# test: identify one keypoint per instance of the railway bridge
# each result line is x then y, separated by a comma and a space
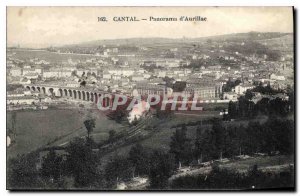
83, 94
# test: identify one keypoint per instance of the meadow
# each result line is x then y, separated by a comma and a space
37, 129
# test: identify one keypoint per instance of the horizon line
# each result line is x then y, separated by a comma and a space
111, 39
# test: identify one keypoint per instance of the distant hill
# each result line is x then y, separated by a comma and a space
237, 37
248, 36
285, 44
129, 41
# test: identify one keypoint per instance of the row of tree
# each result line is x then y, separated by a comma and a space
221, 141
216, 142
245, 108
158, 165
229, 179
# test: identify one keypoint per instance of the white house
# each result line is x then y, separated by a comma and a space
106, 75
22, 100
50, 74
277, 77
73, 84
28, 70
31, 75
16, 71
137, 78
242, 88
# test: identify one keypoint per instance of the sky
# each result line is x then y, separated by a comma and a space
37, 27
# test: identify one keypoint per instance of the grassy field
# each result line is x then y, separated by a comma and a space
57, 127
36, 129
162, 138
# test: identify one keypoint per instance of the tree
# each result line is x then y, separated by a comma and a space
180, 146
139, 157
179, 86
161, 169
89, 125
241, 138
291, 100
169, 81
232, 111
209, 145
83, 83
229, 179
118, 169
262, 106
218, 132
230, 84
52, 166
22, 172
279, 107
237, 82
200, 144
245, 107
164, 114
249, 95
280, 135
74, 73
82, 163
111, 137
119, 114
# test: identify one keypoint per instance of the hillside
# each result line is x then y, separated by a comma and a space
237, 37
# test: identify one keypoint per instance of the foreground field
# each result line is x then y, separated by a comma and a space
35, 129
162, 137
165, 129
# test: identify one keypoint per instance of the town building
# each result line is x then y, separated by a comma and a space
22, 100
150, 89
16, 71
242, 88
28, 71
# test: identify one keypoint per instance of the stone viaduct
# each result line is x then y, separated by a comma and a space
83, 94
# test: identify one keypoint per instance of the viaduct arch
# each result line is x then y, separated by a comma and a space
74, 93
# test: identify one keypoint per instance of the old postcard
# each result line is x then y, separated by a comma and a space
150, 98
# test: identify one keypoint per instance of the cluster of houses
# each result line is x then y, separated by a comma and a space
26, 99
114, 73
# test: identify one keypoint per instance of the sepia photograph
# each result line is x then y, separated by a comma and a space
150, 98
